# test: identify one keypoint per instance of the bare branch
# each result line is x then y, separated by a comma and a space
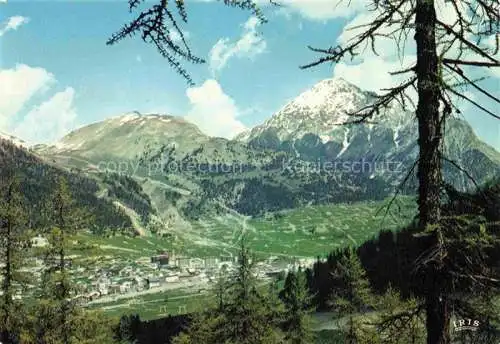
461, 169
460, 95
398, 190
157, 24
472, 83
337, 53
471, 63
404, 71
133, 4
382, 101
466, 42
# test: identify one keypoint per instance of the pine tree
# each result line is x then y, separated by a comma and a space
243, 314
220, 290
205, 327
127, 329
14, 241
207, 322
92, 327
352, 295
298, 301
249, 318
275, 303
56, 312
399, 321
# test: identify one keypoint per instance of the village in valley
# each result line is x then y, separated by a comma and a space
113, 278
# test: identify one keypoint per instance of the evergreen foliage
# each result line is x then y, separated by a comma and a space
243, 313
352, 296
298, 309
14, 242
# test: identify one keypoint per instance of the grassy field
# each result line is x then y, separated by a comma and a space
154, 306
306, 232
122, 246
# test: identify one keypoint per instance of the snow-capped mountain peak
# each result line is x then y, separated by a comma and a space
318, 110
333, 96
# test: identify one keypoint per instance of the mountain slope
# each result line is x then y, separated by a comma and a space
128, 144
310, 126
187, 174
124, 137
319, 111
13, 140
301, 156
38, 177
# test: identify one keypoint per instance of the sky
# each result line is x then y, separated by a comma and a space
57, 73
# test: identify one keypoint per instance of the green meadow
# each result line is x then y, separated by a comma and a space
307, 232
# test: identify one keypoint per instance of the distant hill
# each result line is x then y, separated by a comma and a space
167, 172
188, 174
38, 177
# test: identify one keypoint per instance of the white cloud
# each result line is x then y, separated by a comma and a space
386, 46
317, 10
13, 23
17, 87
387, 41
176, 37
50, 120
490, 43
213, 111
249, 45
34, 124
447, 11
321, 9
372, 74
371, 71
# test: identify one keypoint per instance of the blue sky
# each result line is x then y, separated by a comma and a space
56, 72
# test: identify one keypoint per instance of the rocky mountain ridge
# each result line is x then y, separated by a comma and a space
280, 164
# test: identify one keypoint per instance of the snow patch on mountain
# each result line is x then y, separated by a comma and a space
129, 118
370, 130
327, 104
345, 142
320, 97
395, 136
325, 138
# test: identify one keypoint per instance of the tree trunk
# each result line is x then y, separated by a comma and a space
7, 283
7, 272
437, 319
429, 126
429, 166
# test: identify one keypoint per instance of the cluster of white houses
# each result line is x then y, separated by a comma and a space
155, 272
166, 269
171, 260
118, 277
